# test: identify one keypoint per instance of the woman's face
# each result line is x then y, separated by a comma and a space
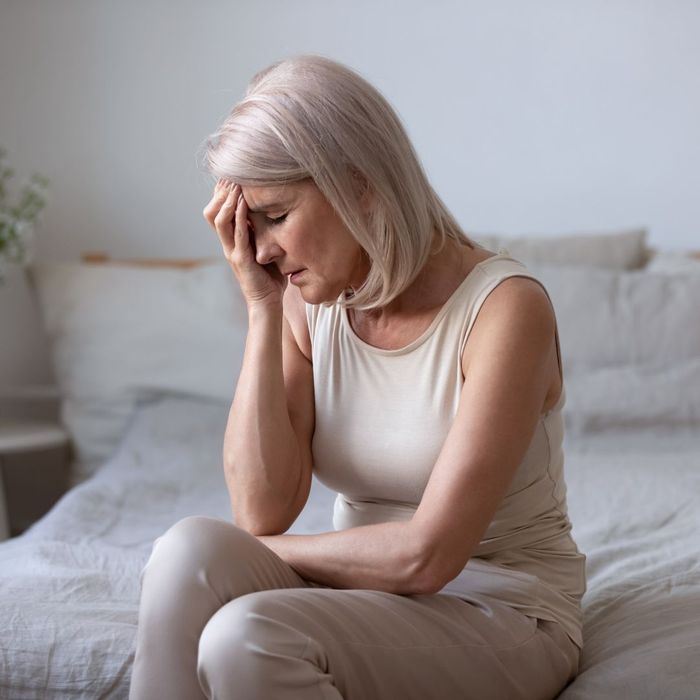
296, 228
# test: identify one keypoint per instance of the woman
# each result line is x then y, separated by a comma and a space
417, 374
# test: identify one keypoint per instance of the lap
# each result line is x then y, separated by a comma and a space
382, 645
368, 617
366, 643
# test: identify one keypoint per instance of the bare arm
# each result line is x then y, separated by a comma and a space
267, 444
383, 557
262, 459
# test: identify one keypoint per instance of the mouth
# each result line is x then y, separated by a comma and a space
295, 275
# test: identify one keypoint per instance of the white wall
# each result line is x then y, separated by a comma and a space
540, 116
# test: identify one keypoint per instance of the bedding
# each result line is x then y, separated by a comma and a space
119, 334
149, 422
614, 250
630, 343
69, 586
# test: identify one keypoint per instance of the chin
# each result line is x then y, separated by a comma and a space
310, 298
313, 295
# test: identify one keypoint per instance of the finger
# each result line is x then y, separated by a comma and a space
223, 222
242, 232
212, 209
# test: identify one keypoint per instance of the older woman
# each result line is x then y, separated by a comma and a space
415, 373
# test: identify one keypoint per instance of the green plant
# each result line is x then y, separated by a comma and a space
17, 221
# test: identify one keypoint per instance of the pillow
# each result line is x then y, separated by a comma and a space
120, 335
673, 262
630, 343
622, 250
610, 318
617, 398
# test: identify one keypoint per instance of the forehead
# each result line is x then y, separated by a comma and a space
269, 197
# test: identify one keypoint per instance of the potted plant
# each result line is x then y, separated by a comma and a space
17, 221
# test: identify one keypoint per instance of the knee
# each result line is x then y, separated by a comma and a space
224, 636
250, 637
194, 542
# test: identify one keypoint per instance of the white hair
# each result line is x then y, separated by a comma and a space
311, 117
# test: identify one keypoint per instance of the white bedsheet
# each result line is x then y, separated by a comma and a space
69, 587
636, 515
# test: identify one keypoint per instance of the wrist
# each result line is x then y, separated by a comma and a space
264, 309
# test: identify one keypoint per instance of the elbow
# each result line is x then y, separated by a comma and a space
424, 577
426, 583
433, 571
257, 526
259, 531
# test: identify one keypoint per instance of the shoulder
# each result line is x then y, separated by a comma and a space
294, 309
517, 313
517, 294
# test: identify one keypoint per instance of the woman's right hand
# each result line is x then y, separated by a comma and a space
227, 214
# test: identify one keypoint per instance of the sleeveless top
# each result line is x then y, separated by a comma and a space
382, 417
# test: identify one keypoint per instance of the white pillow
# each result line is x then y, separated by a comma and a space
672, 263
621, 250
614, 318
613, 398
630, 344
119, 335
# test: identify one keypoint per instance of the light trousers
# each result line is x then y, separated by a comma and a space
222, 616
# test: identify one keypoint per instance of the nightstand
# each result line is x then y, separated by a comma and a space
33, 471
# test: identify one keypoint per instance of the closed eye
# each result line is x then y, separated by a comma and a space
278, 220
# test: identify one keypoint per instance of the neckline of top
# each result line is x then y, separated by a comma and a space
433, 324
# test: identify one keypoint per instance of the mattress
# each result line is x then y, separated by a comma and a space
69, 586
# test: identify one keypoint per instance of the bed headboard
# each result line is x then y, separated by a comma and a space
690, 253
97, 258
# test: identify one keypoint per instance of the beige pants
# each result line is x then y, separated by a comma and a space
222, 616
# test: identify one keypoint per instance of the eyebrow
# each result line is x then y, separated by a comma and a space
267, 207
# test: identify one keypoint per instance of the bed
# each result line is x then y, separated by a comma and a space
148, 424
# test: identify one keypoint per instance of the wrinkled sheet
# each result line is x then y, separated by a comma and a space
69, 587
634, 501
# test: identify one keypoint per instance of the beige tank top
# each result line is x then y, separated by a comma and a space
382, 417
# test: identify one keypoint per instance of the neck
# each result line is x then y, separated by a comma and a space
438, 278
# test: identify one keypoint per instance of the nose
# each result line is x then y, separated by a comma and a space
266, 249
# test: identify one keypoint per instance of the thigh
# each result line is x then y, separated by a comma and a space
377, 645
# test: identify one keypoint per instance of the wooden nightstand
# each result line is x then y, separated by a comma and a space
33, 471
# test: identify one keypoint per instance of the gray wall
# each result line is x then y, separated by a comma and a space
531, 117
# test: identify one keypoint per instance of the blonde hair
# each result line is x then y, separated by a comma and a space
311, 117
